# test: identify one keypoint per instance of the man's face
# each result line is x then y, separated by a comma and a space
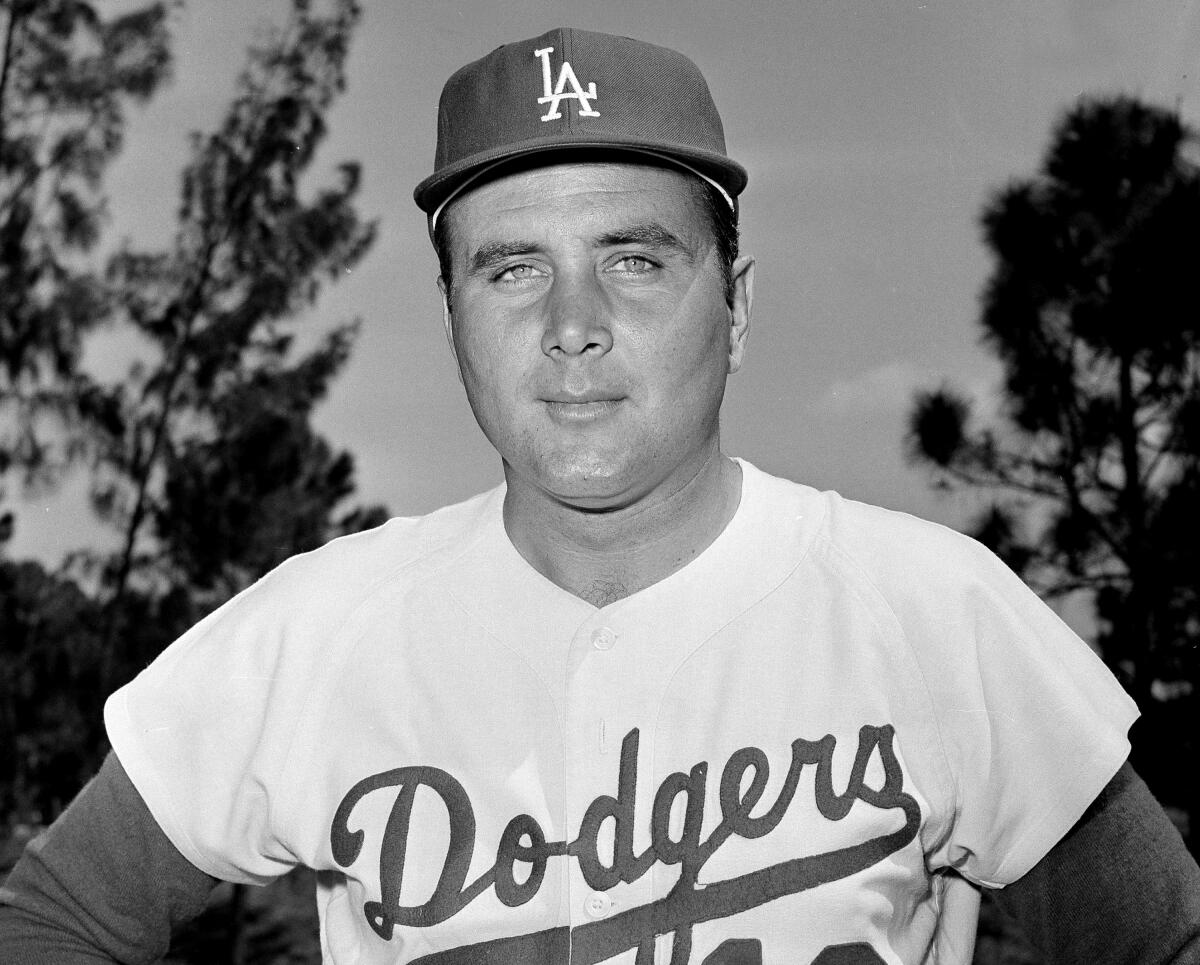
589, 320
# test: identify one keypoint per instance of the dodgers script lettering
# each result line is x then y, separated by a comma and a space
743, 782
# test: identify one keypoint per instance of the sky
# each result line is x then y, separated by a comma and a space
874, 133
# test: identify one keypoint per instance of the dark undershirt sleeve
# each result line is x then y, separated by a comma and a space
1121, 887
101, 884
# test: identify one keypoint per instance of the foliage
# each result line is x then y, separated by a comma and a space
1094, 468
262, 484
276, 923
203, 458
50, 695
47, 626
66, 77
210, 469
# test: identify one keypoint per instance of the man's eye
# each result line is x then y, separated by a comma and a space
635, 264
516, 273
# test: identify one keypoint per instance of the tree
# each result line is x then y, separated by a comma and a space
204, 458
1094, 466
209, 469
47, 625
261, 485
66, 76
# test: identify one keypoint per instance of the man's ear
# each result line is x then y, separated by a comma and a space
448, 321
740, 309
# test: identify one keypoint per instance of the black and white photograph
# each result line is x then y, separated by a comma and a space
566, 483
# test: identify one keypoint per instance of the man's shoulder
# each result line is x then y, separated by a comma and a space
344, 571
873, 533
886, 547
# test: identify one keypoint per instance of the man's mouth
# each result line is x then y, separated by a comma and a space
581, 408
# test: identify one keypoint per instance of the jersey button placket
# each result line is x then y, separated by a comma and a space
590, 704
604, 638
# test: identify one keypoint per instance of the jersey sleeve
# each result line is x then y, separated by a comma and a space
1032, 724
194, 731
205, 732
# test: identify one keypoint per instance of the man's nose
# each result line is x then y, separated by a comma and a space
577, 317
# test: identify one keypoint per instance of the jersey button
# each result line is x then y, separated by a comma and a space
597, 905
603, 639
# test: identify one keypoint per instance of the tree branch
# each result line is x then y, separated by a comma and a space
15, 15
142, 470
1002, 479
188, 308
1088, 582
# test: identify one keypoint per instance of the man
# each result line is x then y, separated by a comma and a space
643, 703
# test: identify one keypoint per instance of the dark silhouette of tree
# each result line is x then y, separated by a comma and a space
1093, 466
261, 485
66, 76
47, 629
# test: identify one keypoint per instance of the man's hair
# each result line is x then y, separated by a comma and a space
722, 222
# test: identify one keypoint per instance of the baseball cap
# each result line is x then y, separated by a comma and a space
568, 90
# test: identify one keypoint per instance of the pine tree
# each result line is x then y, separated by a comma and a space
1093, 467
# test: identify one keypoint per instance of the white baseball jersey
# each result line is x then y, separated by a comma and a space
775, 755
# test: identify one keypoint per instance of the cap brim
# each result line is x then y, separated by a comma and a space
431, 193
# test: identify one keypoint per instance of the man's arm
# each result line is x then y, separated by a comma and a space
1119, 888
102, 884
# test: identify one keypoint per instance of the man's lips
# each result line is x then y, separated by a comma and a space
583, 406
581, 398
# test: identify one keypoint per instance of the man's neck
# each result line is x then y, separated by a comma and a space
602, 557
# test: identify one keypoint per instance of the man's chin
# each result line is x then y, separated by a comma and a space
592, 495
592, 486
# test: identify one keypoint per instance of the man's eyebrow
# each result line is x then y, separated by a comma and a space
649, 233
496, 251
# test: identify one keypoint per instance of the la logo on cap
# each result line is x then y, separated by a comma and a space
553, 95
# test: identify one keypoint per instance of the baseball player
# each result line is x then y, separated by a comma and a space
643, 703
